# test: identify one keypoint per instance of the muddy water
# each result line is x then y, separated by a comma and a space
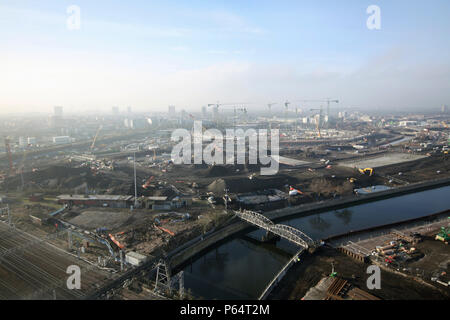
241, 267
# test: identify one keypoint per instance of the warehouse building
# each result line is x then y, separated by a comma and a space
163, 203
112, 201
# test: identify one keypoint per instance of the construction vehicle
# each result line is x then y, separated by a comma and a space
113, 239
364, 171
147, 183
443, 235
294, 192
165, 230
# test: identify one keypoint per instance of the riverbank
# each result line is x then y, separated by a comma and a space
202, 244
302, 276
409, 280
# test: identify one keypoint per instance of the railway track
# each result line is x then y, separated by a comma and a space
38, 270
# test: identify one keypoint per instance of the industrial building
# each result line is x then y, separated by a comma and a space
61, 140
112, 201
134, 258
163, 203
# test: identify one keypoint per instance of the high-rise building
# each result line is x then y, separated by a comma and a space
204, 113
58, 112
171, 110
444, 109
31, 140
61, 140
115, 110
22, 141
56, 119
216, 113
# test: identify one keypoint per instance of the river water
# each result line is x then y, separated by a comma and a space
241, 267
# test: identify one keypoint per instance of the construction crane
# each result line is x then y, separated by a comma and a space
192, 130
8, 150
328, 101
286, 108
96, 136
269, 105
215, 111
20, 168
235, 108
318, 121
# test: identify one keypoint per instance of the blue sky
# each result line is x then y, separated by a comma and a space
149, 54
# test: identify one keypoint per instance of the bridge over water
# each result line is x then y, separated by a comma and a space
287, 232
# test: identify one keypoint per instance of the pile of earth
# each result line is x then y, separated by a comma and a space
243, 185
230, 170
223, 170
60, 177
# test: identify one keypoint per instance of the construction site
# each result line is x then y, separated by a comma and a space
116, 202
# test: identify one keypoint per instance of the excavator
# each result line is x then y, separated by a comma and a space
147, 183
364, 171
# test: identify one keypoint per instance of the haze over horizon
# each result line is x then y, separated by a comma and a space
152, 54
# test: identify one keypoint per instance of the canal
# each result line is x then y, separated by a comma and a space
241, 267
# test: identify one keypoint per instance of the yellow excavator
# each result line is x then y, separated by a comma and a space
364, 171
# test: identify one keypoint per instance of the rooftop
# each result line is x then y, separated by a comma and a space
105, 197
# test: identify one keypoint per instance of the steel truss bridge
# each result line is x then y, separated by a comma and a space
287, 232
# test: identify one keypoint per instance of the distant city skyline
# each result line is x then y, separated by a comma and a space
149, 54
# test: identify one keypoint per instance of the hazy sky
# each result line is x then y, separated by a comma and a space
149, 54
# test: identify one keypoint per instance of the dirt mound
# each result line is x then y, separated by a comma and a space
62, 178
166, 192
224, 170
243, 185
219, 171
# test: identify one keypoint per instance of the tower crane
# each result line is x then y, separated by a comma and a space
235, 108
318, 122
286, 108
8, 150
269, 105
21, 166
96, 136
327, 101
